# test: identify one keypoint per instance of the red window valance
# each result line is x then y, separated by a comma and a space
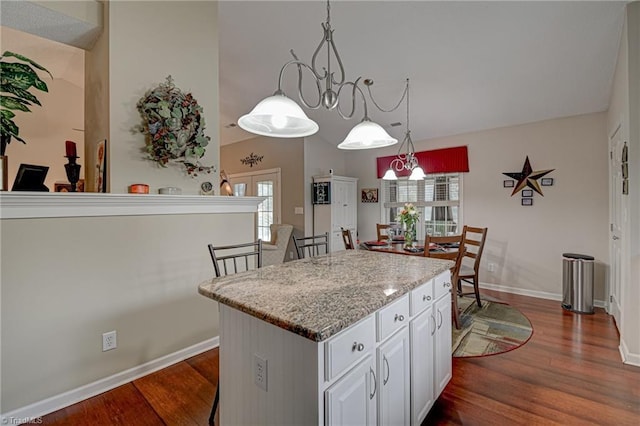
446, 160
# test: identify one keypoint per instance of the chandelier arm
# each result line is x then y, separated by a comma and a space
353, 100
300, 65
369, 83
315, 55
335, 52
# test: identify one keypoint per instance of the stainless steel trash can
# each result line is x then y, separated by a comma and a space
577, 282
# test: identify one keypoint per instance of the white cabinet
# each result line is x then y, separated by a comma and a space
443, 369
422, 333
352, 400
393, 378
341, 212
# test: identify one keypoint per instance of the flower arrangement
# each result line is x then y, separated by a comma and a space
174, 127
409, 217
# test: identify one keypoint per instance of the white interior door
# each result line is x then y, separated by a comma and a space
618, 218
264, 183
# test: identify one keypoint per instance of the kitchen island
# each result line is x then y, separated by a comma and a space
354, 337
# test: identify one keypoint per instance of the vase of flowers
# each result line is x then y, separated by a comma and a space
409, 217
174, 126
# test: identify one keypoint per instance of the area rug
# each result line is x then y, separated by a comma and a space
493, 329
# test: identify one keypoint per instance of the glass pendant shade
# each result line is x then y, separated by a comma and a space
278, 116
390, 175
365, 135
417, 174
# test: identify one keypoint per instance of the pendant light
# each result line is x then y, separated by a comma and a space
280, 116
408, 160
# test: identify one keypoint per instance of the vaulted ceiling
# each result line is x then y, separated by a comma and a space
472, 65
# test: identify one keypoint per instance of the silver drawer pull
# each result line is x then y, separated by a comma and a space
357, 347
399, 317
446, 285
425, 297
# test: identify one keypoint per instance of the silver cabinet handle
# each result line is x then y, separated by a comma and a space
446, 284
384, 358
433, 321
357, 347
615, 237
425, 297
399, 317
440, 318
375, 384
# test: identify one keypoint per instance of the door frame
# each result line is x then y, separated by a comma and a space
277, 199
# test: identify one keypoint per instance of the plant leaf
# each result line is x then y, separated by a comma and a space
25, 59
14, 103
7, 114
21, 93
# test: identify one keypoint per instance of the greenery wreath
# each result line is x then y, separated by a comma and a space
174, 128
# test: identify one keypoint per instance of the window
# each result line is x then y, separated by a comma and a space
438, 198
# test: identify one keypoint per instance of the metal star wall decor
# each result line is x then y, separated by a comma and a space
527, 178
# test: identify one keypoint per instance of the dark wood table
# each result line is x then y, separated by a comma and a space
397, 247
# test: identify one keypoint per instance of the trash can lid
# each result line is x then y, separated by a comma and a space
578, 256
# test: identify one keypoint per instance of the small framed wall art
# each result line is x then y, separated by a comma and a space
527, 193
508, 183
369, 195
527, 201
546, 181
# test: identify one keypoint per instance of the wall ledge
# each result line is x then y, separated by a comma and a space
32, 205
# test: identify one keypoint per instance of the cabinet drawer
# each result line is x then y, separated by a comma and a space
421, 297
392, 317
349, 346
442, 284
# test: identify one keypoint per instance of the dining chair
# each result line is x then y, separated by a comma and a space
311, 245
473, 239
451, 248
382, 230
227, 260
346, 239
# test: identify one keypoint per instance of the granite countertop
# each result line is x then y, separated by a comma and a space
319, 296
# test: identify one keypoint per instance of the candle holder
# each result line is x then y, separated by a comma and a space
73, 171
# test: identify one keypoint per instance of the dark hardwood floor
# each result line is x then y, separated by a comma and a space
569, 373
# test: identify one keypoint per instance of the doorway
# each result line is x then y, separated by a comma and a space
262, 183
618, 216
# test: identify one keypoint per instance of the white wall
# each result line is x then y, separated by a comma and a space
66, 281
46, 128
143, 52
526, 243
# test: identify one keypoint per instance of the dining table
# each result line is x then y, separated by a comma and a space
397, 247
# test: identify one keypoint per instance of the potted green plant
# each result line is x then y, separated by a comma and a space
16, 79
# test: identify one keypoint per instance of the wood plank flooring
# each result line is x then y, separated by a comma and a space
569, 373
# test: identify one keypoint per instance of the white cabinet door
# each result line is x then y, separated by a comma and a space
422, 334
393, 378
352, 400
442, 343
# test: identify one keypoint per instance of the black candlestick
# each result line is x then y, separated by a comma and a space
73, 172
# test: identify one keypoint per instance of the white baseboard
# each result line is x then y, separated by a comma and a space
54, 403
533, 293
627, 357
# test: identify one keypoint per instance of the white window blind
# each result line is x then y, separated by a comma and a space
437, 197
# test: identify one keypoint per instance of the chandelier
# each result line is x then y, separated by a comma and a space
280, 116
408, 160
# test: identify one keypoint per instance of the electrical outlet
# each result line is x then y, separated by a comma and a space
109, 341
260, 372
491, 267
